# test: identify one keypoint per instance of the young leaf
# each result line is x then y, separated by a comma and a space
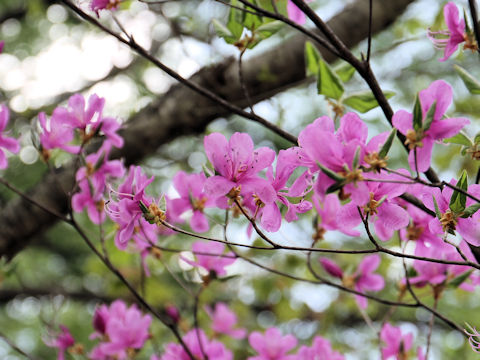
356, 157
457, 281
268, 29
235, 20
364, 101
469, 211
223, 32
388, 144
459, 139
458, 199
417, 114
328, 83
472, 84
438, 214
345, 71
331, 174
335, 187
429, 117
312, 57
476, 139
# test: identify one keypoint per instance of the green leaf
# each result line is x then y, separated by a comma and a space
331, 174
429, 117
437, 209
223, 32
457, 281
476, 139
328, 83
235, 20
268, 29
388, 144
459, 139
472, 84
417, 114
364, 101
345, 71
458, 199
469, 211
335, 187
312, 57
356, 158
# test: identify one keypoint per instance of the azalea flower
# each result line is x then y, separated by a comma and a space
62, 341
7, 143
272, 345
237, 164
295, 14
213, 350
97, 5
397, 344
455, 35
321, 349
210, 257
422, 140
224, 321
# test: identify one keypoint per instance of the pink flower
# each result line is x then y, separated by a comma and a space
364, 279
331, 267
125, 328
397, 344
62, 341
127, 210
7, 143
473, 338
56, 134
238, 165
210, 257
213, 350
224, 320
2, 44
192, 197
295, 14
320, 350
381, 208
97, 5
272, 345
455, 34
422, 140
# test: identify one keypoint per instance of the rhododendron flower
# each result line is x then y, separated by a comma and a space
125, 328
192, 197
224, 320
56, 134
2, 44
271, 218
92, 180
62, 341
328, 211
213, 350
397, 344
7, 143
331, 267
272, 345
320, 350
455, 35
97, 5
422, 140
210, 257
295, 14
380, 208
127, 210
238, 165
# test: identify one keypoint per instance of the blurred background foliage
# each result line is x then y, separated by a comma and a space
50, 54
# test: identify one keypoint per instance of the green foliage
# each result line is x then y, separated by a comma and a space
364, 101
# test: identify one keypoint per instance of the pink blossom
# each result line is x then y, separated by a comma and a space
213, 350
210, 257
92, 180
422, 140
473, 338
455, 33
2, 44
224, 321
380, 208
97, 5
125, 328
365, 280
56, 134
238, 165
320, 350
127, 210
331, 267
271, 217
328, 212
272, 345
62, 341
295, 14
7, 143
397, 344
193, 198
